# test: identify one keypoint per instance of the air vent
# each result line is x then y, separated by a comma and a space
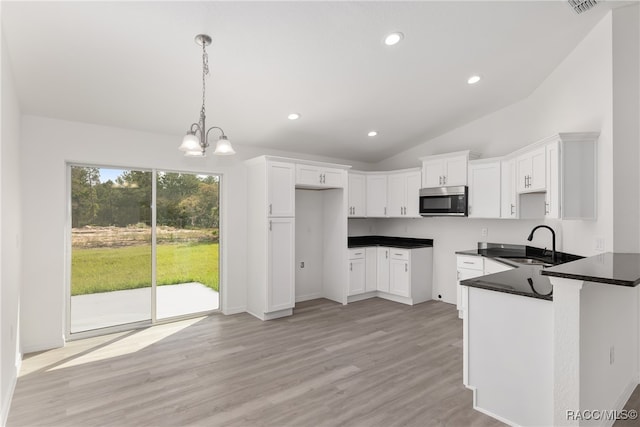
580, 6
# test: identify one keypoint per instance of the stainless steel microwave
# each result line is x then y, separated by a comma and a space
444, 201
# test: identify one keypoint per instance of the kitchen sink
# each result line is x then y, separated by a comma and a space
529, 261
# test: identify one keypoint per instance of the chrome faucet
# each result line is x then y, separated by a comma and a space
553, 239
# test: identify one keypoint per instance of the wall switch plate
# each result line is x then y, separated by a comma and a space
612, 355
600, 244
484, 232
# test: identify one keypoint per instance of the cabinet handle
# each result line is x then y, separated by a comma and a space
546, 208
270, 208
512, 209
358, 253
386, 254
324, 178
385, 210
444, 180
468, 262
398, 254
406, 267
270, 225
440, 180
350, 266
400, 210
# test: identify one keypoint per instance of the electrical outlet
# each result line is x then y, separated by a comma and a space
612, 355
600, 244
484, 232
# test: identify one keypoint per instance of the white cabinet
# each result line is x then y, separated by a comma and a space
357, 271
403, 194
281, 260
280, 189
445, 169
399, 273
371, 276
376, 195
314, 176
531, 171
509, 194
382, 280
571, 176
484, 188
357, 195
469, 267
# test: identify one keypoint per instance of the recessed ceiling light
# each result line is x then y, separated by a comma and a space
293, 116
473, 80
393, 38
372, 133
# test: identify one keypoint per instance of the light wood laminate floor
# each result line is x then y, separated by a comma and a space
371, 363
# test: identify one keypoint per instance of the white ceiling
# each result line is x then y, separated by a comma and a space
135, 65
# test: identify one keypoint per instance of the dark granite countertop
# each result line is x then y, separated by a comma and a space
524, 280
608, 268
393, 242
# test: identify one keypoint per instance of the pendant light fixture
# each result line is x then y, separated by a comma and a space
196, 141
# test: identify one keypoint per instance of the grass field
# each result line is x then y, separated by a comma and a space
110, 269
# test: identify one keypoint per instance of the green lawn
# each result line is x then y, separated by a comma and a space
111, 269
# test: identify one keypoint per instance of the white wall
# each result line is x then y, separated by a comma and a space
626, 130
48, 145
10, 232
575, 97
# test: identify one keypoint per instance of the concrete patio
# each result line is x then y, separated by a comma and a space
101, 310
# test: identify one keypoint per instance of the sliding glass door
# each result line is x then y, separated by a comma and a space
115, 236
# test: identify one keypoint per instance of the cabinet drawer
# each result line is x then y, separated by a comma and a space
357, 253
470, 262
402, 254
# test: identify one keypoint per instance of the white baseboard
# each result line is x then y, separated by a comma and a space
301, 298
6, 402
484, 411
234, 310
360, 297
622, 400
42, 346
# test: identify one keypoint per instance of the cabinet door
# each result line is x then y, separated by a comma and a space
432, 173
376, 195
538, 180
281, 259
399, 277
357, 276
552, 196
456, 171
412, 205
484, 190
396, 193
371, 258
383, 269
281, 189
523, 170
332, 178
308, 175
508, 197
491, 266
464, 274
357, 195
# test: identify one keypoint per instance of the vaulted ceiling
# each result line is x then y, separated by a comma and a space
135, 65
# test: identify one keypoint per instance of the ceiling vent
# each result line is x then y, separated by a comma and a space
580, 6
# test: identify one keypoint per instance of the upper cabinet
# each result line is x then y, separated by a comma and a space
315, 176
281, 189
508, 192
531, 171
377, 195
357, 194
484, 188
403, 194
571, 176
446, 170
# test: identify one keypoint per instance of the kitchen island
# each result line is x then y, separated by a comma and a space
542, 344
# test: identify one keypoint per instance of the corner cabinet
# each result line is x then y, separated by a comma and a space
484, 188
445, 170
271, 238
376, 195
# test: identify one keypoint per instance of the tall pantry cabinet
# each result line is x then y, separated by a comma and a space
271, 234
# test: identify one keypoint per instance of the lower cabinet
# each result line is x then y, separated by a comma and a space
468, 267
402, 275
357, 271
281, 260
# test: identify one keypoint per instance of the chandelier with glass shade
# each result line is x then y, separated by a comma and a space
196, 141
